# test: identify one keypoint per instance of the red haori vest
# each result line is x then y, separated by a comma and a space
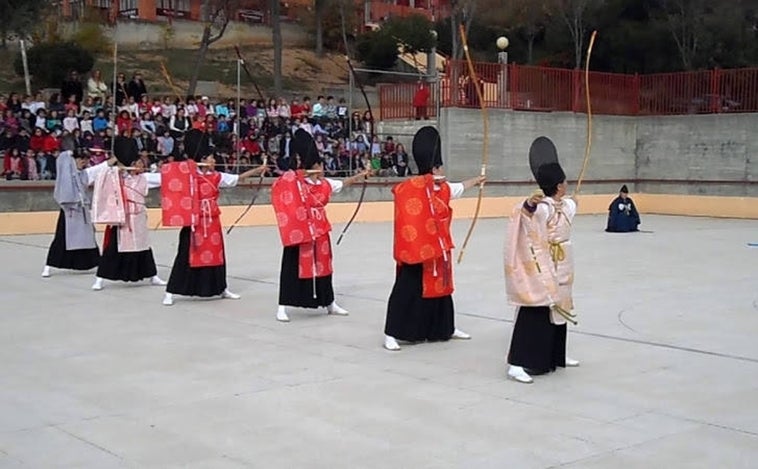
177, 193
302, 221
189, 198
207, 246
422, 232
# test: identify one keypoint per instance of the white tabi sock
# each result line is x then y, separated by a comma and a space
98, 285
229, 295
157, 281
168, 299
281, 314
390, 343
46, 271
334, 308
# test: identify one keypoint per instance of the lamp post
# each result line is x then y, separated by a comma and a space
502, 82
432, 76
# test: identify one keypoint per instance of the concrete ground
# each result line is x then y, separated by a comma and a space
667, 340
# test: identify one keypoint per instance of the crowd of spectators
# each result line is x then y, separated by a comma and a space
32, 127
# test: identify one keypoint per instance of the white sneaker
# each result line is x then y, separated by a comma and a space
459, 334
281, 315
157, 281
517, 373
571, 362
335, 309
229, 295
168, 299
46, 272
391, 344
98, 285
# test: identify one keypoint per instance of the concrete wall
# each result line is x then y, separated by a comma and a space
700, 154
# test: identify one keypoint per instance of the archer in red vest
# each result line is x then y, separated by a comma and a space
420, 307
299, 197
189, 198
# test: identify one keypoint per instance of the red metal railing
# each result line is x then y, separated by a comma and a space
396, 102
552, 89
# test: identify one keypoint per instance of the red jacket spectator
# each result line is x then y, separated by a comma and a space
51, 143
37, 142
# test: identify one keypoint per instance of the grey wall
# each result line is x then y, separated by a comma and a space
700, 154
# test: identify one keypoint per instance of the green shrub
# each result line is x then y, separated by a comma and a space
50, 64
377, 49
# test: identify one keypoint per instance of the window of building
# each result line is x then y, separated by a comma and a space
173, 8
104, 4
76, 9
127, 8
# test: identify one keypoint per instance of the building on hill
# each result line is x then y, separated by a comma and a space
251, 11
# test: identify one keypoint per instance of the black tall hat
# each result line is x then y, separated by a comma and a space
543, 161
197, 144
303, 145
624, 189
126, 150
549, 176
427, 149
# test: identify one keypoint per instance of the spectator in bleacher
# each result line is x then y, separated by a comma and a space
179, 124
14, 103
70, 122
37, 140
53, 122
165, 144
9, 121
86, 123
56, 103
30, 167
305, 108
87, 106
96, 87
37, 104
121, 93
221, 109
136, 87
100, 122
72, 86
170, 108
319, 109
146, 123
71, 105
204, 106
13, 164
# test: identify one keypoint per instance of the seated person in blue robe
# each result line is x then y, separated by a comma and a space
622, 214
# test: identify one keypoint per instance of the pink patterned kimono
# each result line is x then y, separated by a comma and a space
119, 201
539, 264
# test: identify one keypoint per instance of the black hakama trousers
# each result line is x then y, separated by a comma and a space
412, 318
194, 281
77, 259
124, 266
299, 292
537, 345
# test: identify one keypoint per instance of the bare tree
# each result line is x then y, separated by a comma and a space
461, 11
319, 9
574, 14
276, 36
686, 21
528, 16
218, 13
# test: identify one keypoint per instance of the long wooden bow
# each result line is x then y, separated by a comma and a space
259, 185
371, 142
588, 145
485, 140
